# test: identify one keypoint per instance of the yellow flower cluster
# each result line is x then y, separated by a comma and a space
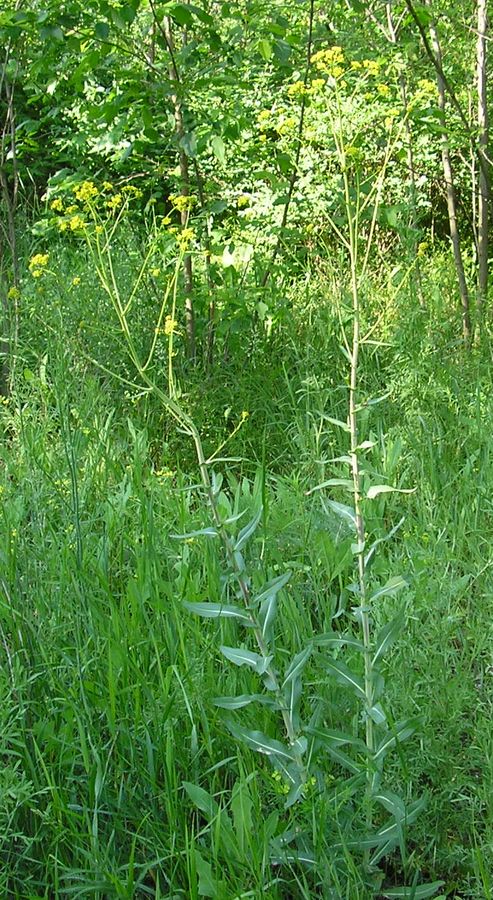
86, 191
264, 118
131, 191
114, 202
184, 238
182, 202
372, 66
57, 205
14, 293
38, 263
329, 61
427, 86
76, 223
297, 89
170, 326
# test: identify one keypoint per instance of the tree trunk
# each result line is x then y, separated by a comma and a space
451, 196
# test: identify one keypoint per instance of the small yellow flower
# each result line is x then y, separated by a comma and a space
14, 293
76, 223
317, 85
114, 202
182, 202
57, 205
170, 326
383, 90
75, 281
371, 66
132, 191
155, 273
329, 61
245, 414
99, 229
107, 186
185, 237
86, 191
71, 209
63, 225
297, 89
422, 248
39, 261
242, 201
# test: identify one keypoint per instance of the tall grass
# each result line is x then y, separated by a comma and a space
120, 777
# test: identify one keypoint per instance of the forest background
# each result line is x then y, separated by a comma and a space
245, 589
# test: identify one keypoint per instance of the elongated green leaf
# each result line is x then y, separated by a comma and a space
201, 799
241, 657
387, 489
271, 588
218, 611
297, 665
345, 676
333, 738
248, 530
338, 422
387, 635
292, 697
400, 732
267, 615
201, 532
344, 760
392, 586
243, 700
260, 742
333, 482
337, 639
419, 892
392, 803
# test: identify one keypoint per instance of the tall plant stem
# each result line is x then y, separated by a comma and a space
355, 345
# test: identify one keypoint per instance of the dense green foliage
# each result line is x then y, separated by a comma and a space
205, 208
